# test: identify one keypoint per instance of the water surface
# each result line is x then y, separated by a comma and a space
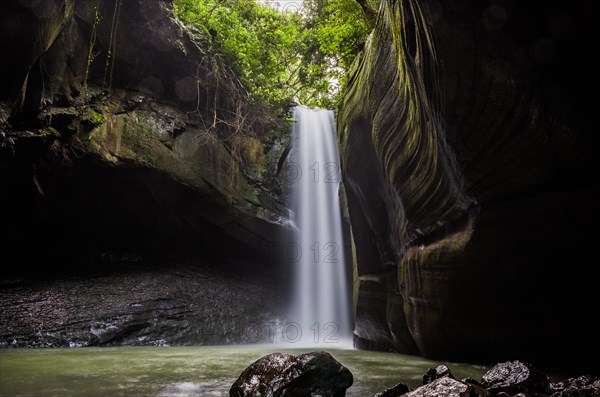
183, 371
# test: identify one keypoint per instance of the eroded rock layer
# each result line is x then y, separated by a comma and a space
468, 156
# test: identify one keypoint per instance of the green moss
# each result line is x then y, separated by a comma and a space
48, 132
97, 118
91, 118
138, 138
73, 126
393, 95
249, 194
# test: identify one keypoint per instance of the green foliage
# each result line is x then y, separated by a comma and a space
283, 57
259, 42
334, 34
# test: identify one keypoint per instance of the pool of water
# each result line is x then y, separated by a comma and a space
184, 371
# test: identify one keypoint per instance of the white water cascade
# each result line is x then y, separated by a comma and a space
320, 313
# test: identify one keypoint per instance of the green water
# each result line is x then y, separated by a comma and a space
183, 371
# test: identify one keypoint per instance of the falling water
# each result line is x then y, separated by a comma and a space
320, 312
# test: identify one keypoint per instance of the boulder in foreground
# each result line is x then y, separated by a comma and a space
286, 375
516, 376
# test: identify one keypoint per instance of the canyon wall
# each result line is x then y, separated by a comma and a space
468, 152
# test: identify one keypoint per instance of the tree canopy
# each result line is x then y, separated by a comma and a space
284, 57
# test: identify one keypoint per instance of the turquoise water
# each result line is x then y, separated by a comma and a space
183, 371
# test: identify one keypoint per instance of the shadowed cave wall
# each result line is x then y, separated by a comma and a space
132, 213
470, 166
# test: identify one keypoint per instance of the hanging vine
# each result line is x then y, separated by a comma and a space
91, 56
109, 67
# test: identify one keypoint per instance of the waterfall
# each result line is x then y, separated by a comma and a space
320, 311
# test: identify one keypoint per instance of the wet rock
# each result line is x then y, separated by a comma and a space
576, 387
448, 387
398, 390
280, 374
513, 377
153, 305
440, 371
371, 329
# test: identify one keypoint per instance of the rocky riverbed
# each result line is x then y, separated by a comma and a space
319, 374
182, 303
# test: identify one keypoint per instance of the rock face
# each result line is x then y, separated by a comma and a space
474, 199
305, 375
124, 136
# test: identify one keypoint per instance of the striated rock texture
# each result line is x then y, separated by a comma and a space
471, 178
124, 135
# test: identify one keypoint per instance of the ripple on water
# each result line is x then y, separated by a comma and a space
185, 389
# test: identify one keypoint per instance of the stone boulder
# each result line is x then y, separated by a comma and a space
515, 376
287, 375
576, 387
